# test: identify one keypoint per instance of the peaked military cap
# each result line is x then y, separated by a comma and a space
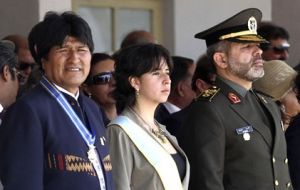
241, 27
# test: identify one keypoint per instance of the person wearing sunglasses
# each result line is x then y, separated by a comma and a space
278, 46
100, 84
8, 76
26, 61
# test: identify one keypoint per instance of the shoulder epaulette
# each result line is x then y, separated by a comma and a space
208, 94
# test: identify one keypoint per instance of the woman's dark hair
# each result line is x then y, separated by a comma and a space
54, 29
96, 58
134, 61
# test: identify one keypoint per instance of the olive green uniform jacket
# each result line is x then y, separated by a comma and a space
221, 156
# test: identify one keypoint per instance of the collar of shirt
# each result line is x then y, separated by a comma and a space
171, 107
1, 108
67, 92
239, 89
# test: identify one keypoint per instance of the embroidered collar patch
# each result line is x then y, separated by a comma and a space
233, 98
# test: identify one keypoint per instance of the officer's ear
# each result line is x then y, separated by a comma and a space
220, 59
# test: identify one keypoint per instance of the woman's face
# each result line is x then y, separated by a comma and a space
291, 104
104, 84
154, 87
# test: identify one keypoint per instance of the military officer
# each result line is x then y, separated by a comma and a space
233, 136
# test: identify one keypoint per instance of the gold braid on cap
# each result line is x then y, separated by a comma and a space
236, 34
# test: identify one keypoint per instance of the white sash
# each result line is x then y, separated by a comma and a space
157, 156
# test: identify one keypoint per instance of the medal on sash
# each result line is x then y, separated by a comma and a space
85, 134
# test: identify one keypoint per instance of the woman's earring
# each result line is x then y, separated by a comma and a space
137, 93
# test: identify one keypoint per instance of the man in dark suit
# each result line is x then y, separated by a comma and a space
232, 135
181, 94
203, 78
54, 137
8, 76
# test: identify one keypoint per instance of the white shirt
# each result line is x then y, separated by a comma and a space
67, 92
171, 107
1, 109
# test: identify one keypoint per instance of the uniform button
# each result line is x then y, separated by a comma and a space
288, 184
286, 160
274, 160
276, 182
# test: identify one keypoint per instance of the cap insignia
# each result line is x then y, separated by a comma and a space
233, 98
252, 25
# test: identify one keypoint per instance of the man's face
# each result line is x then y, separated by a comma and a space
26, 64
278, 49
245, 62
69, 65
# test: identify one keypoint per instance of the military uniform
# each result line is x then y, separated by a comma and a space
230, 146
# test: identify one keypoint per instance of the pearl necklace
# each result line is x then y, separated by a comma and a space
160, 133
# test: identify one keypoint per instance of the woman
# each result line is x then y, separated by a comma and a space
100, 84
278, 82
144, 155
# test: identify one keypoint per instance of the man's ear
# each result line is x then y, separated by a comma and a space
220, 59
5, 74
201, 85
180, 88
43, 61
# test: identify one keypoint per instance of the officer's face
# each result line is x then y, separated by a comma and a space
69, 65
244, 61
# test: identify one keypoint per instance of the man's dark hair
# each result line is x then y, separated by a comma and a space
137, 37
204, 70
54, 29
8, 56
180, 70
271, 32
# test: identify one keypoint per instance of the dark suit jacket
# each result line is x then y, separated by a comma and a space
175, 121
161, 114
221, 158
292, 135
41, 149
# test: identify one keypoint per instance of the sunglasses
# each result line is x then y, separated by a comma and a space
24, 66
101, 78
19, 76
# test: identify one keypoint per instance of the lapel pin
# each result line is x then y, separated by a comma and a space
246, 136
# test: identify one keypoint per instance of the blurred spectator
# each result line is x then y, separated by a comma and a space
278, 82
278, 48
8, 77
100, 84
181, 88
292, 135
26, 61
204, 76
137, 37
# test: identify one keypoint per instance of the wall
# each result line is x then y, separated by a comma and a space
286, 14
199, 15
15, 18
